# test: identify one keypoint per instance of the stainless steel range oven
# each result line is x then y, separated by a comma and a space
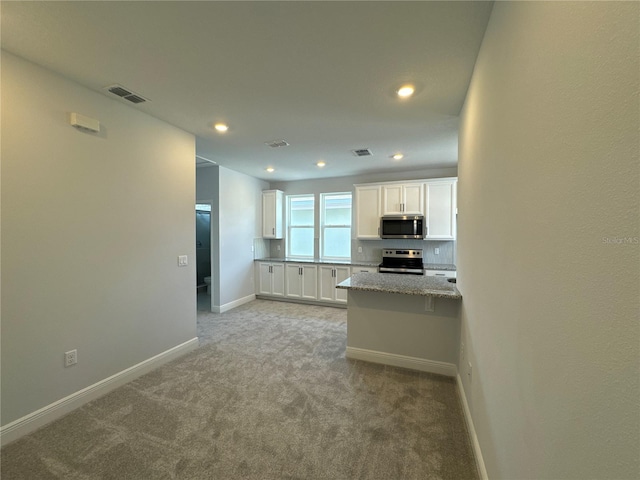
408, 261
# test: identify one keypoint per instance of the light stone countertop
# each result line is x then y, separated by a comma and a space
405, 284
319, 261
362, 263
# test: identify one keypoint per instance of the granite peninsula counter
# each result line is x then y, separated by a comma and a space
404, 284
409, 321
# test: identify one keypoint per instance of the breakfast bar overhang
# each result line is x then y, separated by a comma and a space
409, 321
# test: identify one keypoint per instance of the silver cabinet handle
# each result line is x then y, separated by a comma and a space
273, 231
299, 270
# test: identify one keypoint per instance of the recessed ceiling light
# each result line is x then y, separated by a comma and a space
221, 127
397, 156
271, 169
321, 164
406, 91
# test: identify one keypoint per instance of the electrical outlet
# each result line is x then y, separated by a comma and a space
436, 251
183, 260
470, 372
359, 249
70, 358
278, 247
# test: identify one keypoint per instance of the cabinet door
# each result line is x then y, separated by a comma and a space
327, 283
309, 280
292, 280
392, 199
277, 279
440, 210
269, 214
341, 274
272, 214
413, 198
368, 212
264, 279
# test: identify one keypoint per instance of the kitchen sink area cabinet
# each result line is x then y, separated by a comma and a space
403, 199
368, 210
329, 277
270, 279
272, 213
440, 209
301, 281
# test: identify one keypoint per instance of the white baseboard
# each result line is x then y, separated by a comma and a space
234, 304
482, 470
413, 363
27, 424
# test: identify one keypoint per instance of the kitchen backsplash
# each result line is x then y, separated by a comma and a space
371, 249
261, 247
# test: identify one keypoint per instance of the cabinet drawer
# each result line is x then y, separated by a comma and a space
440, 273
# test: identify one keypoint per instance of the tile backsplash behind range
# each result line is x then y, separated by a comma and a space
372, 249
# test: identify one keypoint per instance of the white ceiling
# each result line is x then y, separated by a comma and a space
320, 75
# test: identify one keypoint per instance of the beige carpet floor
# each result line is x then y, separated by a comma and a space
268, 395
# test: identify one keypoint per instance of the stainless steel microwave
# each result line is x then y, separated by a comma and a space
402, 226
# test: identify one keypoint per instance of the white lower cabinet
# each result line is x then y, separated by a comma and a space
330, 276
301, 281
440, 273
270, 279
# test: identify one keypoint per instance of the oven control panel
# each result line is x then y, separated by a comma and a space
402, 253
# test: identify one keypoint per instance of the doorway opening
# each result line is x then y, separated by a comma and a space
203, 255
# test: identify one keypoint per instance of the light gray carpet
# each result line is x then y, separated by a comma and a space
268, 395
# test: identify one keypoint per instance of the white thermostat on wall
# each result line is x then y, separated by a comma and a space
83, 123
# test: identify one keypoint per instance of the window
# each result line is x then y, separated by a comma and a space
335, 225
300, 225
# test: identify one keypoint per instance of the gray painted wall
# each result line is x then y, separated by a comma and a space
92, 225
240, 224
547, 193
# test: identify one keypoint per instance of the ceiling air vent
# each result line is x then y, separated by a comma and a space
125, 94
362, 152
276, 143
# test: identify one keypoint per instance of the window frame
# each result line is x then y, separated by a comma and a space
289, 226
324, 226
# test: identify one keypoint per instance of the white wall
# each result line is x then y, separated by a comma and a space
548, 171
344, 184
92, 225
240, 223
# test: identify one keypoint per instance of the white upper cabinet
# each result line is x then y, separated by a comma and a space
368, 211
440, 209
272, 213
435, 199
403, 198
